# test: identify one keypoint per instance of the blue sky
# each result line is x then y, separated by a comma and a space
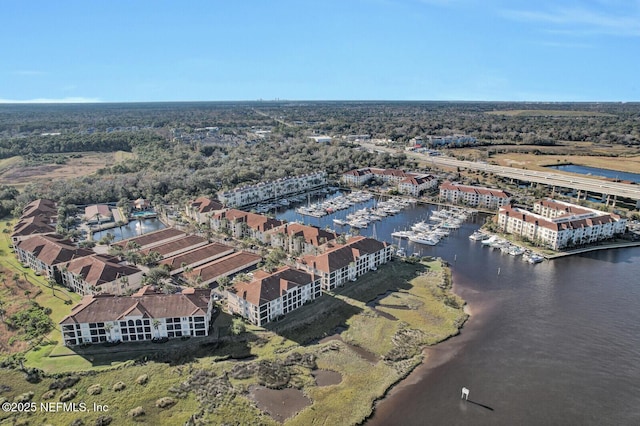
510, 50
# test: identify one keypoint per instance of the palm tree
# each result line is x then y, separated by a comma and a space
108, 326
156, 325
51, 283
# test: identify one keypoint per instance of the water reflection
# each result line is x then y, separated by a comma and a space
132, 229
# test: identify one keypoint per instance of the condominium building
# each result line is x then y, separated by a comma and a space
45, 254
243, 224
475, 196
143, 316
557, 224
345, 262
100, 273
280, 188
409, 183
302, 239
271, 295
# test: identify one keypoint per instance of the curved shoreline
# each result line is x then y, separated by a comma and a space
433, 357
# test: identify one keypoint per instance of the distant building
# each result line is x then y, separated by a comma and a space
271, 295
142, 316
409, 183
321, 139
474, 196
433, 141
557, 224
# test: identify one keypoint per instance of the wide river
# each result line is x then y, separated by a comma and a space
557, 343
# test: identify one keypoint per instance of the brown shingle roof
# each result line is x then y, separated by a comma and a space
196, 255
266, 287
153, 237
254, 221
176, 245
206, 205
52, 249
340, 256
102, 308
32, 226
226, 265
41, 207
311, 234
99, 269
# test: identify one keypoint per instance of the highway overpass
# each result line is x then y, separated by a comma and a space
582, 184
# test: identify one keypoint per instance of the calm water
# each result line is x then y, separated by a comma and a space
132, 229
556, 343
584, 170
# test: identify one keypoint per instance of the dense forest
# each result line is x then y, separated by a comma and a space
170, 169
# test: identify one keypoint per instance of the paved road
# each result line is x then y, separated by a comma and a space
592, 185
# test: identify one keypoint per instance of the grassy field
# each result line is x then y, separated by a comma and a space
13, 172
412, 307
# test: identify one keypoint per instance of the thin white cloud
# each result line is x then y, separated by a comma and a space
70, 100
28, 73
581, 21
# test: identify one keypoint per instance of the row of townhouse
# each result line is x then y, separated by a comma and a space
264, 191
268, 296
408, 183
80, 270
557, 224
39, 217
475, 196
145, 315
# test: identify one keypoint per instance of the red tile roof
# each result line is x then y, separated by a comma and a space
206, 205
342, 255
266, 287
474, 189
311, 234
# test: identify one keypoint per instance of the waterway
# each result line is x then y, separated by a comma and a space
595, 171
132, 229
555, 343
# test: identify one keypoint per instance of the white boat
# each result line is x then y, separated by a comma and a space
516, 251
535, 258
402, 234
492, 239
478, 236
424, 239
340, 222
